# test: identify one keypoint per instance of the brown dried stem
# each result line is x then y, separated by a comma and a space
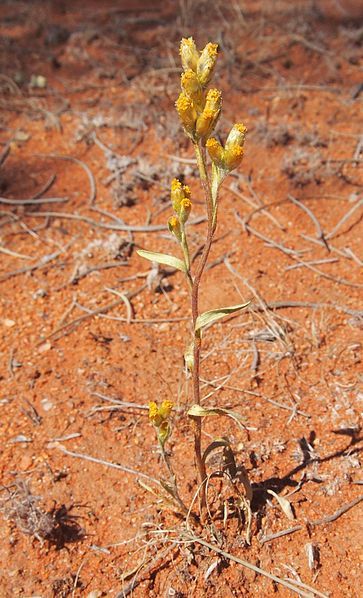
197, 421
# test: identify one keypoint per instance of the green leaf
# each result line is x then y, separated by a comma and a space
209, 317
163, 258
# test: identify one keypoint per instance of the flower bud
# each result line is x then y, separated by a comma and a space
206, 63
229, 157
187, 113
185, 209
159, 415
165, 409
192, 88
175, 228
233, 156
177, 193
154, 414
233, 151
237, 135
209, 117
216, 152
189, 54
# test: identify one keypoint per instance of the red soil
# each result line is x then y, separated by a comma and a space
111, 72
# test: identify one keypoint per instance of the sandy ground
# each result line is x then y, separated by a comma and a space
90, 141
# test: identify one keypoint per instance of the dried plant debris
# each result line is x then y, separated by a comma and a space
305, 167
272, 135
282, 134
21, 507
63, 588
313, 556
129, 176
110, 246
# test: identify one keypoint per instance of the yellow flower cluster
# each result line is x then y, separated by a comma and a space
198, 110
180, 199
159, 416
228, 157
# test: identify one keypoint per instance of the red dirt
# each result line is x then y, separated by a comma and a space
112, 72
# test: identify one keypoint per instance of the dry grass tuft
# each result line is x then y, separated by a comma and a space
24, 509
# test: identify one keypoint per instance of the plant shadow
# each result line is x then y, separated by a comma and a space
277, 484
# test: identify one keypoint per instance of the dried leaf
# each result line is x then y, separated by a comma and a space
284, 504
242, 477
217, 443
163, 258
209, 317
189, 357
199, 411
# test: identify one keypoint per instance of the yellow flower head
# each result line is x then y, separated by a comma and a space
190, 83
185, 209
189, 54
230, 156
216, 152
237, 135
173, 221
178, 193
209, 117
214, 100
186, 191
233, 156
154, 415
206, 63
165, 409
174, 227
187, 113
161, 414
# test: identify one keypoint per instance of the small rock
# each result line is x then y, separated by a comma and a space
21, 438
8, 323
44, 347
39, 293
21, 135
46, 404
38, 81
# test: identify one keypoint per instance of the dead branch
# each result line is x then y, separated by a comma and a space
287, 584
151, 228
319, 231
85, 457
92, 182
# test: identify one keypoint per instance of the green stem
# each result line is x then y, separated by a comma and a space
185, 248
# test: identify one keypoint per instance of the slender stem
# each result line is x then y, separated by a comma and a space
197, 421
185, 248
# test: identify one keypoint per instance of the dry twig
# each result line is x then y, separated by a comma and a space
287, 584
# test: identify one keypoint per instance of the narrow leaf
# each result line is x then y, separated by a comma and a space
284, 504
209, 317
163, 258
199, 411
217, 443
